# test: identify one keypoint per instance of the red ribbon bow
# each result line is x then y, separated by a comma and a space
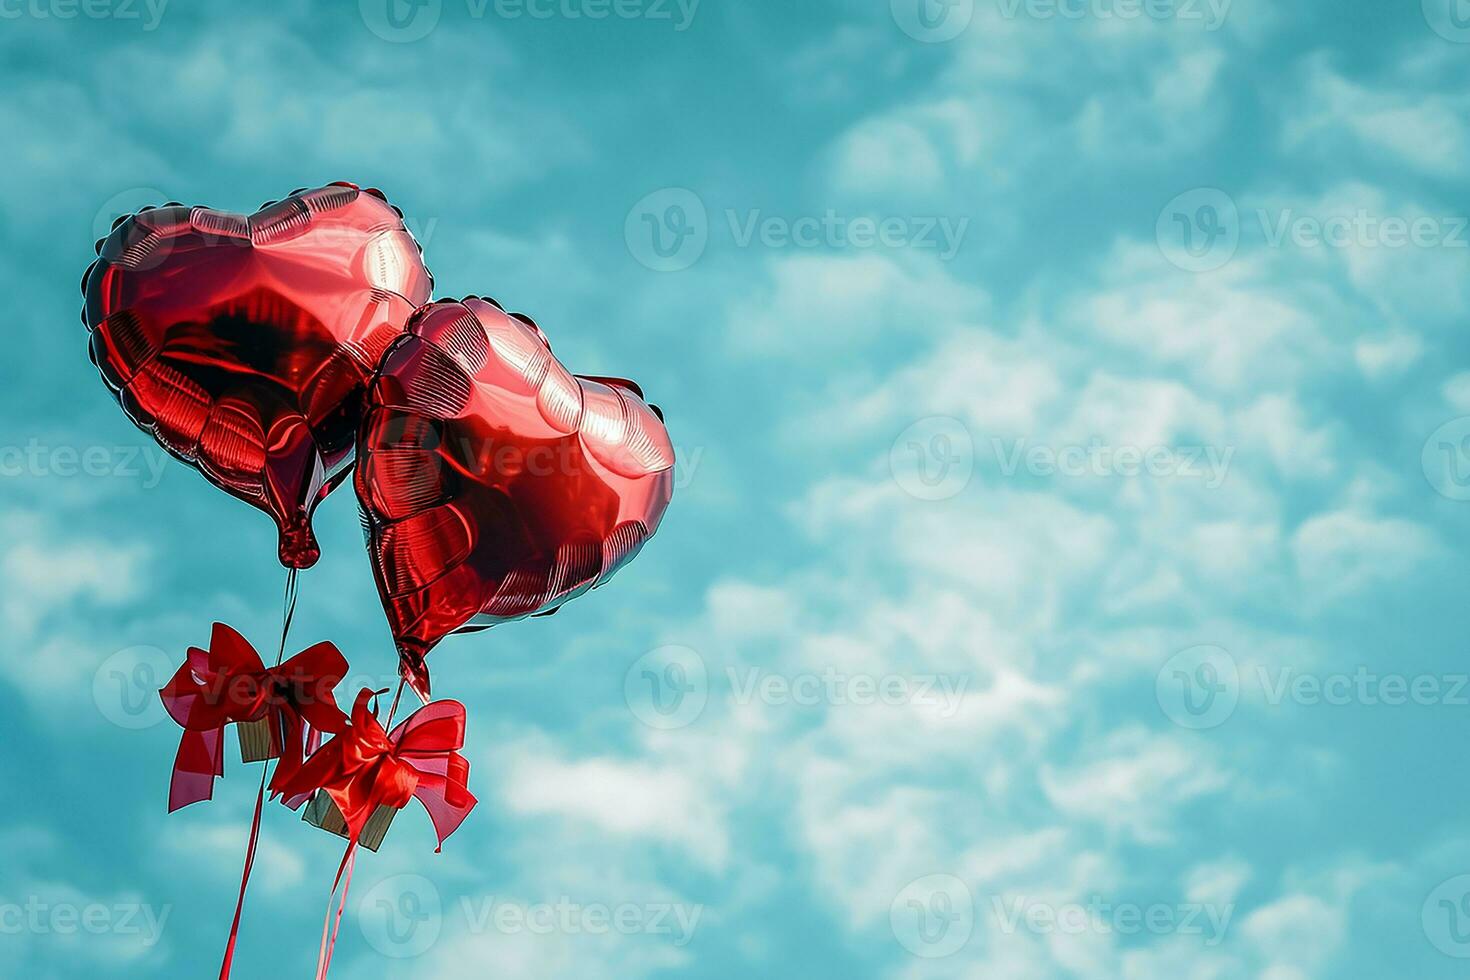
364, 767
228, 684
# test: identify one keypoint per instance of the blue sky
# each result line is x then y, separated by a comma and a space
1071, 398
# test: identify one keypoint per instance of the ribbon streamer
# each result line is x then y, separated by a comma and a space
228, 684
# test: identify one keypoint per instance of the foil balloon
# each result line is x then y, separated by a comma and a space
244, 343
493, 483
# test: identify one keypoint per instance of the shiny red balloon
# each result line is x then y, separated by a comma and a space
493, 483
244, 343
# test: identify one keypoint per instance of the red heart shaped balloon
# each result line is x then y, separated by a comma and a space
244, 344
493, 483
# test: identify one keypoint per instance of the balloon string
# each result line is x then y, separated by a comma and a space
329, 945
224, 970
288, 611
398, 694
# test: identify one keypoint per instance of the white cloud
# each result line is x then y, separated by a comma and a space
1456, 391
1343, 554
1385, 357
883, 153
1237, 328
56, 583
997, 386
1296, 935
991, 120
1399, 119
1403, 258
323, 120
217, 852
53, 918
624, 798
840, 304
834, 67
1134, 782
1217, 882
44, 575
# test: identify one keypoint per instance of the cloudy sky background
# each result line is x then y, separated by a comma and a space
1130, 460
